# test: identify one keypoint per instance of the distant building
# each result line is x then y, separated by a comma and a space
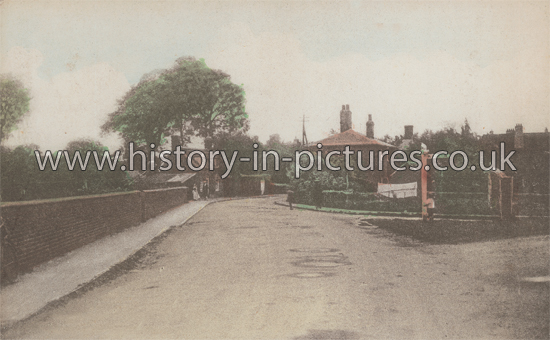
517, 139
208, 183
531, 157
348, 136
357, 141
408, 138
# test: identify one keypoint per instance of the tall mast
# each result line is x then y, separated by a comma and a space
304, 136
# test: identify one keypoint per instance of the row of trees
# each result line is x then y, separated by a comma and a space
22, 180
188, 99
20, 177
450, 140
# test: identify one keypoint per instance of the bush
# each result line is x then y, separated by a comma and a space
348, 199
462, 203
22, 180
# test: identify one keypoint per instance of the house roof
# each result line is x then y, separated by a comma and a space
159, 178
182, 178
351, 138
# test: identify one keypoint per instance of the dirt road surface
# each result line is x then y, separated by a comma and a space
250, 269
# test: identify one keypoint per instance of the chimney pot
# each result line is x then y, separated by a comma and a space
370, 128
518, 136
409, 132
345, 119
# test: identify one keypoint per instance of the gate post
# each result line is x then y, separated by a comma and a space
501, 192
506, 194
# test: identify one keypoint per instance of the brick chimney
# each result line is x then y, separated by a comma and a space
518, 136
408, 132
345, 118
370, 128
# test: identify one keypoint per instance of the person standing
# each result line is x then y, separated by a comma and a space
195, 193
430, 205
206, 191
290, 198
201, 190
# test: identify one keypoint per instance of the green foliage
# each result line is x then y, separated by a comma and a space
19, 173
284, 150
467, 203
304, 188
22, 180
92, 181
240, 142
448, 139
189, 97
14, 100
368, 201
356, 180
447, 203
349, 189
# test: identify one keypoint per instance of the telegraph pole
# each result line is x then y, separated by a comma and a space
304, 136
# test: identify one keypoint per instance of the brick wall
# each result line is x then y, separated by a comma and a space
158, 201
44, 229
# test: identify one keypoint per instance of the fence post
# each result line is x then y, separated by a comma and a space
501, 193
490, 189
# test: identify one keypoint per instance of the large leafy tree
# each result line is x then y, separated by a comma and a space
14, 104
189, 98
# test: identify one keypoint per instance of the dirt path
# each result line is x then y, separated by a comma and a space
250, 269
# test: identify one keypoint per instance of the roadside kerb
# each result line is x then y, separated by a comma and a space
63, 275
391, 214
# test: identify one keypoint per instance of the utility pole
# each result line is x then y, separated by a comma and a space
304, 137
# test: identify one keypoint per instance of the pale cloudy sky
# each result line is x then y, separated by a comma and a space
429, 64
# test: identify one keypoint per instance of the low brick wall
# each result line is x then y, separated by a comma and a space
158, 201
45, 229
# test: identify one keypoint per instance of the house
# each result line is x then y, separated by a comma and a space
208, 183
358, 142
531, 157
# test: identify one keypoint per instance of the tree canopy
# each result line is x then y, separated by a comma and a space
21, 179
189, 98
14, 104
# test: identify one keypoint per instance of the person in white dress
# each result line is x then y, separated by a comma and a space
195, 193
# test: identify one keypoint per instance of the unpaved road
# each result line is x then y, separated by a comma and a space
249, 269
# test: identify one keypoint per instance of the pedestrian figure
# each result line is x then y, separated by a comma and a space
430, 205
318, 194
201, 191
290, 198
195, 193
206, 191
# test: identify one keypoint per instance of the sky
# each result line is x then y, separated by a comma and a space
428, 64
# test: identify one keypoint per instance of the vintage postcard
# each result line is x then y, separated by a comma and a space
275, 169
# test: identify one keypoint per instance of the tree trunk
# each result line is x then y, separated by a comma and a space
182, 141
